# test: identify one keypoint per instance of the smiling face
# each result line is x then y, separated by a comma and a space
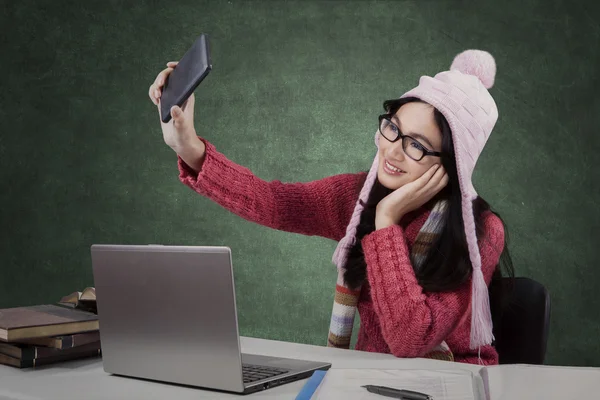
415, 119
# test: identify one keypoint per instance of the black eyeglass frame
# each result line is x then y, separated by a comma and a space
425, 151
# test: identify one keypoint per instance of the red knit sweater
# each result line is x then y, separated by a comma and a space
396, 315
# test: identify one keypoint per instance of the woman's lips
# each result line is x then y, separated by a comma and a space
391, 169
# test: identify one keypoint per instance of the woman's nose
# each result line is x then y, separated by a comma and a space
395, 151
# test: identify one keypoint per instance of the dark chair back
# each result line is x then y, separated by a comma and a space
521, 314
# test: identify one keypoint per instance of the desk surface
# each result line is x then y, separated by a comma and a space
86, 379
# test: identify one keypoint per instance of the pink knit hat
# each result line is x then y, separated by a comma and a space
461, 95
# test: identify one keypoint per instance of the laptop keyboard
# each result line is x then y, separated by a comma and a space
254, 373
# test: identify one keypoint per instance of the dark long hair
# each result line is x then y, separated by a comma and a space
447, 264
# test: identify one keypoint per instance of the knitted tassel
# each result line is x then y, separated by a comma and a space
340, 254
481, 319
481, 322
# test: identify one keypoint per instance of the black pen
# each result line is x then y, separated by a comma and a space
397, 393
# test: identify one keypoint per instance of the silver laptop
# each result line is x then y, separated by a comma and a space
168, 313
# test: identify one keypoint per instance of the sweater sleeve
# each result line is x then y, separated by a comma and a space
414, 322
317, 208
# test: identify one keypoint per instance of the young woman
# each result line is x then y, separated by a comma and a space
417, 246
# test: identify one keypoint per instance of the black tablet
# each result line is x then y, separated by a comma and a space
193, 67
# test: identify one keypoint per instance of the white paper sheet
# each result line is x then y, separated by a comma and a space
346, 384
515, 382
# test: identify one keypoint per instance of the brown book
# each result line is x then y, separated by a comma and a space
64, 342
25, 352
85, 300
64, 355
44, 320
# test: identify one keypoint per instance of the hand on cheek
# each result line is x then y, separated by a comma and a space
410, 197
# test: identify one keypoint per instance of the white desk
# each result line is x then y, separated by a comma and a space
86, 379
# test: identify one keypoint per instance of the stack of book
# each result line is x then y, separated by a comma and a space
45, 334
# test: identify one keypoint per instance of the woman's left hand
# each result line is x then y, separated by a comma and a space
409, 197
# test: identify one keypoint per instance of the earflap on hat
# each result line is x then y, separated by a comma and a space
340, 255
474, 121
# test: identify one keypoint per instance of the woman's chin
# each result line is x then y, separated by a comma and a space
391, 182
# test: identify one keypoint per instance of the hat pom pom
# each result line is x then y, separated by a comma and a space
478, 63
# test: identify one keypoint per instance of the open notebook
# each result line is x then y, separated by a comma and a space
498, 382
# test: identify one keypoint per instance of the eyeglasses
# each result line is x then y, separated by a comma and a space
411, 146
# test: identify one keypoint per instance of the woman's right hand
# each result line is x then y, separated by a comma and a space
179, 132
